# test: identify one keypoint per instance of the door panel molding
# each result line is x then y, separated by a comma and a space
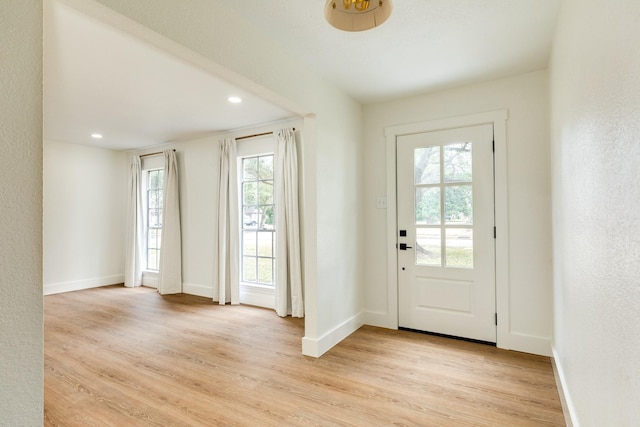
498, 119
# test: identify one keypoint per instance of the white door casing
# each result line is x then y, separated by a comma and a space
389, 317
446, 258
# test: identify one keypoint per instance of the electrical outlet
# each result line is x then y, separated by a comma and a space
381, 203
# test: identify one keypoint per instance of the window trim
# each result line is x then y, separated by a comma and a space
252, 293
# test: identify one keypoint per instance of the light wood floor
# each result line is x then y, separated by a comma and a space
130, 357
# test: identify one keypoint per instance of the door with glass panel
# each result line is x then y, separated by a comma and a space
446, 256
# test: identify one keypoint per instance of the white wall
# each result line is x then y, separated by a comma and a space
21, 345
84, 202
198, 174
595, 105
223, 42
525, 98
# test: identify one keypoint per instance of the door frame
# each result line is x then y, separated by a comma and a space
498, 119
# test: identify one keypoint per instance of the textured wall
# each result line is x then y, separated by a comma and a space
595, 99
21, 345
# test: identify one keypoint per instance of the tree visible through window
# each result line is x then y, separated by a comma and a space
258, 230
443, 178
155, 179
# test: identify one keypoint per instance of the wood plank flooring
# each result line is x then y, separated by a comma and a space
130, 357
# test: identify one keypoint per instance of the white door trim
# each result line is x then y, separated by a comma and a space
498, 119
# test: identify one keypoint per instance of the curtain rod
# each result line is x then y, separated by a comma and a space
255, 135
154, 154
238, 138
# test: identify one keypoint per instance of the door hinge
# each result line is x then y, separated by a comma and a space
496, 317
494, 232
493, 145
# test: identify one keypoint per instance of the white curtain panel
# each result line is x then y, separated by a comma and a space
170, 269
226, 288
289, 297
133, 261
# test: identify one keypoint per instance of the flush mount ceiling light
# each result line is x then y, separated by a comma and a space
234, 99
96, 136
357, 15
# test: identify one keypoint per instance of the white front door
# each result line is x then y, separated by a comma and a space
446, 256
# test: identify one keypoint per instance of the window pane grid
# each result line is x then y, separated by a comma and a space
258, 221
154, 217
444, 205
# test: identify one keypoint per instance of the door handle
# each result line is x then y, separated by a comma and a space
404, 247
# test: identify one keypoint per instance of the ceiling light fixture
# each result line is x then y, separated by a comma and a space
96, 136
357, 15
234, 99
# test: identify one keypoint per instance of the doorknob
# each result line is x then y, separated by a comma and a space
404, 247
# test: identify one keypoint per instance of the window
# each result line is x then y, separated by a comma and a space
258, 221
444, 205
155, 180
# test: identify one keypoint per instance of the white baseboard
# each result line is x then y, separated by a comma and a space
258, 296
317, 347
150, 279
77, 285
248, 294
379, 319
529, 344
567, 406
197, 290
515, 341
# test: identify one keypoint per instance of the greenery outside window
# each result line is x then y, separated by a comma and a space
258, 221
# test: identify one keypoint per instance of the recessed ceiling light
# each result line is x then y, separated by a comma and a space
96, 136
234, 99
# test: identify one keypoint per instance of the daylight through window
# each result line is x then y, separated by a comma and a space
155, 179
258, 221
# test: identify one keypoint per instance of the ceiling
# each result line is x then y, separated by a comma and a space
100, 79
424, 46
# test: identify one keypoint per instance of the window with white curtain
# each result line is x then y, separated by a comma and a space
257, 252
154, 198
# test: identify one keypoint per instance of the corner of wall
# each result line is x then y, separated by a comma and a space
316, 347
528, 344
379, 319
563, 391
